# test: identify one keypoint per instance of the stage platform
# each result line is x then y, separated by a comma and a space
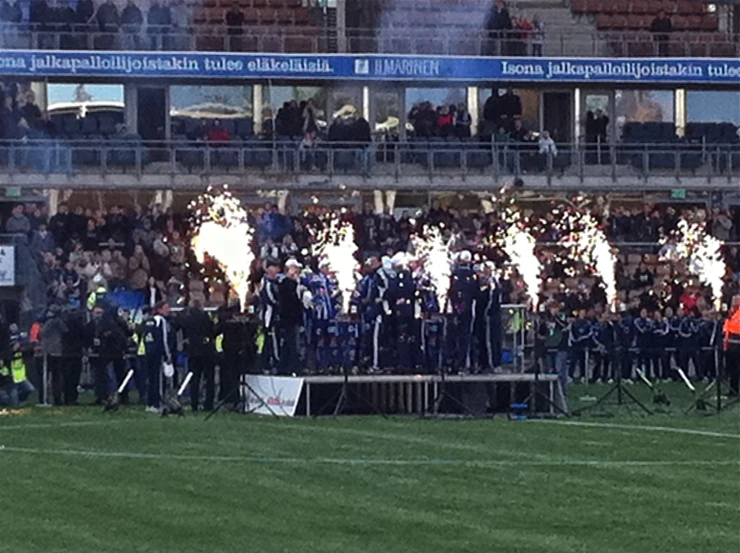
454, 394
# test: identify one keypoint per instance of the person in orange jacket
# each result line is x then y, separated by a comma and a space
732, 346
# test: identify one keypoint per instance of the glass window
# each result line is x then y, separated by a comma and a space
644, 106
194, 108
275, 97
84, 99
713, 106
387, 113
530, 105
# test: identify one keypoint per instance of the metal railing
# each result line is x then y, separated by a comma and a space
414, 158
445, 39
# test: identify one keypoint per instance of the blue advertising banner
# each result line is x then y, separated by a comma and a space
177, 65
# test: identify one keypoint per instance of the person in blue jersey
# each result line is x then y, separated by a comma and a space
710, 331
603, 341
579, 340
157, 337
463, 292
405, 314
643, 340
325, 305
366, 297
688, 340
625, 334
660, 358
270, 312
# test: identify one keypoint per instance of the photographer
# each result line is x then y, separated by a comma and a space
14, 385
197, 329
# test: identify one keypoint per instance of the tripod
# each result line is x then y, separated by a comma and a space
537, 394
700, 404
243, 400
620, 389
443, 394
344, 395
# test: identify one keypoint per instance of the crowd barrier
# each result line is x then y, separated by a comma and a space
395, 160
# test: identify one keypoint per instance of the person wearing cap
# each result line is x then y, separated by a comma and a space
270, 311
14, 384
290, 302
463, 292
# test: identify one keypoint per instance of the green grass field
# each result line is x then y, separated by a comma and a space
76, 480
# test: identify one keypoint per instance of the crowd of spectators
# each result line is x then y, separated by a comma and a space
509, 35
146, 251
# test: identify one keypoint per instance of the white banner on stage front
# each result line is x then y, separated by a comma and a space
270, 395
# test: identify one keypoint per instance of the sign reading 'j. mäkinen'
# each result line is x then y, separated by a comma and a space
23, 63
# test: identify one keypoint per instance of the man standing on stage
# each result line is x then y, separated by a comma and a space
290, 293
462, 298
325, 299
732, 346
270, 309
405, 312
368, 298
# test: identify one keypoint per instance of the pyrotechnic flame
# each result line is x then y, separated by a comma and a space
225, 235
336, 243
588, 243
437, 259
702, 254
519, 244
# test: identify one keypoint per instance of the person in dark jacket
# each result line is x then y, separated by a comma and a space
106, 340
462, 298
234, 19
603, 338
688, 341
625, 333
109, 21
72, 351
131, 22
158, 22
53, 333
661, 27
290, 293
579, 339
709, 333
270, 313
660, 358
198, 334
157, 337
643, 340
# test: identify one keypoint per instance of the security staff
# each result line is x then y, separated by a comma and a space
198, 333
463, 292
157, 336
14, 384
732, 346
270, 311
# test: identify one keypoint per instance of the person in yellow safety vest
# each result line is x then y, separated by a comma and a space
96, 296
732, 346
14, 384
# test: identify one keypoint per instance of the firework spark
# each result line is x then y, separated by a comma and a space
437, 259
588, 244
702, 253
223, 233
336, 243
519, 245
